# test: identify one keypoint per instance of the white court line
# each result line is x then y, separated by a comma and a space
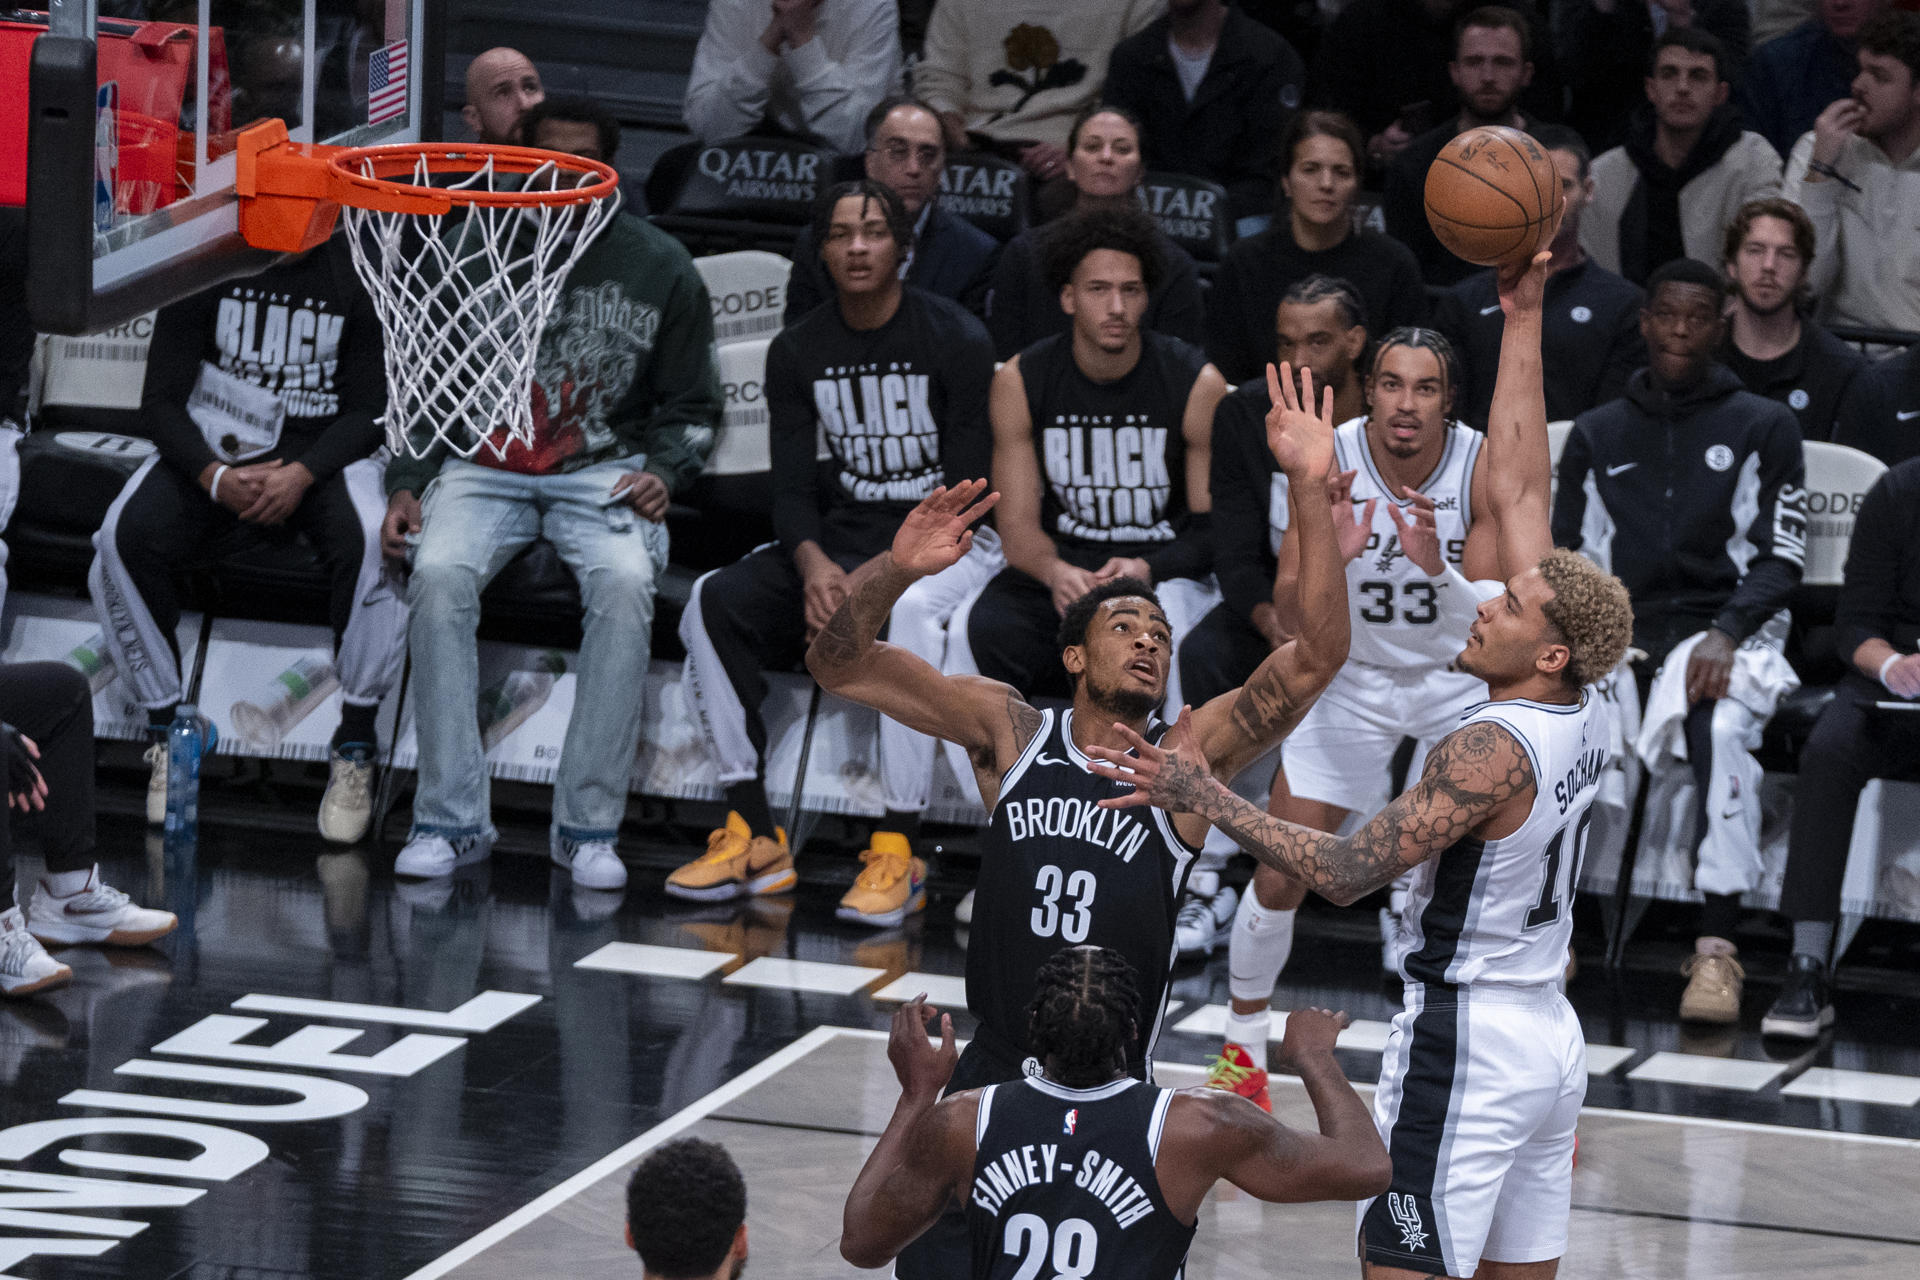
803, 975
943, 990
616, 1160
656, 962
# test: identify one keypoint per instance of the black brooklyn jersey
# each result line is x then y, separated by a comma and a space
1064, 1185
1058, 871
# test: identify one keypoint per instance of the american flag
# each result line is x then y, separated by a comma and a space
387, 83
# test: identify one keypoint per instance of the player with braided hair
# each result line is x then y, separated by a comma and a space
1082, 1164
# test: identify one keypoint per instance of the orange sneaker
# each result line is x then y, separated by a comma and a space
737, 864
892, 885
1233, 1071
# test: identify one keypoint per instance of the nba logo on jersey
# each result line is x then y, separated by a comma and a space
1072, 1119
1406, 1215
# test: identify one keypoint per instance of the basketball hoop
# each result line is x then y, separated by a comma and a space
463, 299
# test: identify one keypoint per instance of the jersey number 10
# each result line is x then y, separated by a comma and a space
1559, 876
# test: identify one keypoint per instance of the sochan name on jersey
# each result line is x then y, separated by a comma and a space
1079, 820
1099, 1177
1585, 773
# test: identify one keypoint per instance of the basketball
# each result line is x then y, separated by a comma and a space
1492, 194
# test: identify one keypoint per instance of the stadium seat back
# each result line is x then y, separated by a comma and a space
749, 292
1192, 212
1837, 482
93, 383
758, 179
987, 191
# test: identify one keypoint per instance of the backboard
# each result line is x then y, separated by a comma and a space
123, 151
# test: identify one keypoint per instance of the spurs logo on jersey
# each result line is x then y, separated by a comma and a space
1395, 604
1074, 1196
880, 430
1501, 910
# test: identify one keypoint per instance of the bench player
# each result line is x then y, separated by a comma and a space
1485, 1069
1053, 870
1123, 1167
1415, 535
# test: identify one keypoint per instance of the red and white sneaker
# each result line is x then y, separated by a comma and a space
98, 913
1233, 1072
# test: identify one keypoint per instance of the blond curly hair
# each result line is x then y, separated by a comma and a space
1591, 612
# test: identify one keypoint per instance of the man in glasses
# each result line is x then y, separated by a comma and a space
949, 255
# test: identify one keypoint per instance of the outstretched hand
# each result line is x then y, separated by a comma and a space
1351, 529
1300, 438
1418, 533
938, 532
923, 1071
1173, 776
1523, 285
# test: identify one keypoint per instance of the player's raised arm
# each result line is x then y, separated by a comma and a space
1520, 466
1473, 772
989, 719
1235, 728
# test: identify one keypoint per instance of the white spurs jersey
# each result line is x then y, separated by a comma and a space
1502, 910
1397, 618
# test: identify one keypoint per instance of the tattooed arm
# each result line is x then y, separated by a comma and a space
987, 718
1479, 779
1236, 728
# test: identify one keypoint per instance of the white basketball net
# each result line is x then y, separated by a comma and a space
464, 298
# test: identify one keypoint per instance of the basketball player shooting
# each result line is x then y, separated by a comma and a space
1486, 1070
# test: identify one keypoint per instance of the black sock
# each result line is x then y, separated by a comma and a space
749, 800
357, 725
1719, 914
906, 822
158, 722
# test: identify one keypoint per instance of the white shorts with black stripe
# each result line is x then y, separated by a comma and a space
1479, 1094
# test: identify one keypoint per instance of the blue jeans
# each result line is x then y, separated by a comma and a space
475, 519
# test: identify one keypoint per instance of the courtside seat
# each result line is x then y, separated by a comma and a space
986, 190
68, 479
746, 193
1193, 214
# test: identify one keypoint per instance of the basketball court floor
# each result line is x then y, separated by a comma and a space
327, 1074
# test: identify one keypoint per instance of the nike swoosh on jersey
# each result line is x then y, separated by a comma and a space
1622, 469
1044, 758
1907, 415
1487, 311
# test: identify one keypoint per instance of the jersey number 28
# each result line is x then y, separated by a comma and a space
1070, 919
1074, 1246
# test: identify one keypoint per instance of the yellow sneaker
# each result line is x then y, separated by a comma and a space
892, 885
737, 863
1713, 989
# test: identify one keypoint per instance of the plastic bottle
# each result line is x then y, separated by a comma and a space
285, 701
93, 660
506, 706
184, 747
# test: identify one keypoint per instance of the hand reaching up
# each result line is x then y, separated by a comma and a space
938, 532
1419, 536
1300, 438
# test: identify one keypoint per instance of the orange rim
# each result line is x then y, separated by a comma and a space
391, 186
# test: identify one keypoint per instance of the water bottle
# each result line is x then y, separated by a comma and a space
184, 747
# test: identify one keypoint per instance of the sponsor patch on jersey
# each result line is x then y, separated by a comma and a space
1798, 399
1580, 315
1071, 1119
1720, 458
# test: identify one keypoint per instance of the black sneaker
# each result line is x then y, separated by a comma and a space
1805, 1006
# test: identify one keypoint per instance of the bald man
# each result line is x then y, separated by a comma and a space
501, 84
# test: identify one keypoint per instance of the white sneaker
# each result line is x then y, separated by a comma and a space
99, 913
347, 809
25, 966
156, 758
593, 863
1206, 917
429, 856
963, 912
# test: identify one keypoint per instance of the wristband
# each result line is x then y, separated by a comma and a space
213, 490
1891, 659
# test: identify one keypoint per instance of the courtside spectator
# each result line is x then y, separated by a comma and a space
894, 381
906, 153
1704, 485
1777, 17
626, 397
1103, 173
1314, 234
264, 397
1492, 63
1857, 174
1877, 629
811, 68
1771, 346
1387, 64
1012, 76
1591, 327
1214, 91
1791, 79
1606, 46
502, 85
687, 1213
1685, 168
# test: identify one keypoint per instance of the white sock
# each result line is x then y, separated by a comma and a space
1258, 949
1249, 1031
64, 884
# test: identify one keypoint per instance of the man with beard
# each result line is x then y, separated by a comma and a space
1769, 346
1492, 65
687, 1213
1686, 167
1055, 868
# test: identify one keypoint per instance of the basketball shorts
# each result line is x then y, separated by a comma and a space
1340, 752
1480, 1090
